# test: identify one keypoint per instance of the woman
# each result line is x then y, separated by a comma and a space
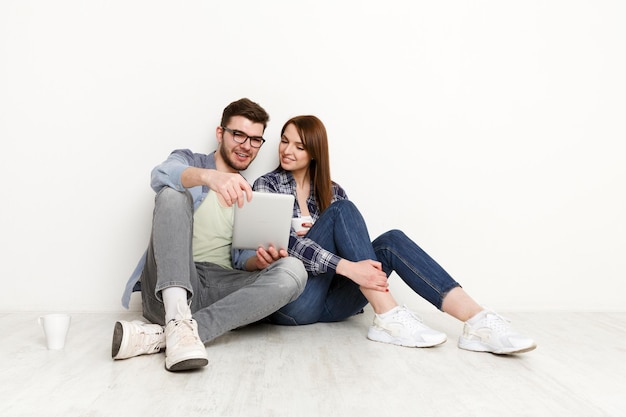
347, 270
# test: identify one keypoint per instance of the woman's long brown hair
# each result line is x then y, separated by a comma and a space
315, 140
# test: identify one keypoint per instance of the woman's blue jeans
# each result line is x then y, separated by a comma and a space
331, 297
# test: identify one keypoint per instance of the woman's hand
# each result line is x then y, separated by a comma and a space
368, 274
305, 228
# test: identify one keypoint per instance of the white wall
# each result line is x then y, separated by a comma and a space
488, 131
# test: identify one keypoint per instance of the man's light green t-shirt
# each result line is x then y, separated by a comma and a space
213, 232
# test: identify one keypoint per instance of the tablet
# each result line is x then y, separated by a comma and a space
263, 221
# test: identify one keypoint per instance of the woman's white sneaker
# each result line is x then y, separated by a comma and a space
490, 332
402, 327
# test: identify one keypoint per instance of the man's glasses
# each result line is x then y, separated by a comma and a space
240, 137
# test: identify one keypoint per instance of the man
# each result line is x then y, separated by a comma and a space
188, 283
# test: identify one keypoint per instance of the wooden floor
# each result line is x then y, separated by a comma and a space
579, 369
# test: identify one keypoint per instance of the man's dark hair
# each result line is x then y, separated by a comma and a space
248, 109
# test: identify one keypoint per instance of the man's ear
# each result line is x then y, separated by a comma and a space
219, 134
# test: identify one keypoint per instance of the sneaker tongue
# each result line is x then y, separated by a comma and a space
497, 323
409, 319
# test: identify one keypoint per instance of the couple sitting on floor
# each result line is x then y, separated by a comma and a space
196, 287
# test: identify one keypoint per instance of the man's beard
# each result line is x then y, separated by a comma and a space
229, 162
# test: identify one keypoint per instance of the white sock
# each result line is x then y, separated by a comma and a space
171, 297
476, 317
388, 313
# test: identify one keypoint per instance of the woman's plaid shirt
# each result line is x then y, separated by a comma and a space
316, 259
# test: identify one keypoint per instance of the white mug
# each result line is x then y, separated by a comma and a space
296, 223
55, 327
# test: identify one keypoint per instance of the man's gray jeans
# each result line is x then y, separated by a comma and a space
221, 299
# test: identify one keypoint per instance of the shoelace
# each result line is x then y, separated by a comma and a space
186, 335
408, 318
150, 338
496, 322
153, 342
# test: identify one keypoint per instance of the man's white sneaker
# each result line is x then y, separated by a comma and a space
402, 327
490, 332
134, 338
184, 350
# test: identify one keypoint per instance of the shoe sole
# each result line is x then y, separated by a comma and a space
187, 364
481, 347
118, 336
384, 337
